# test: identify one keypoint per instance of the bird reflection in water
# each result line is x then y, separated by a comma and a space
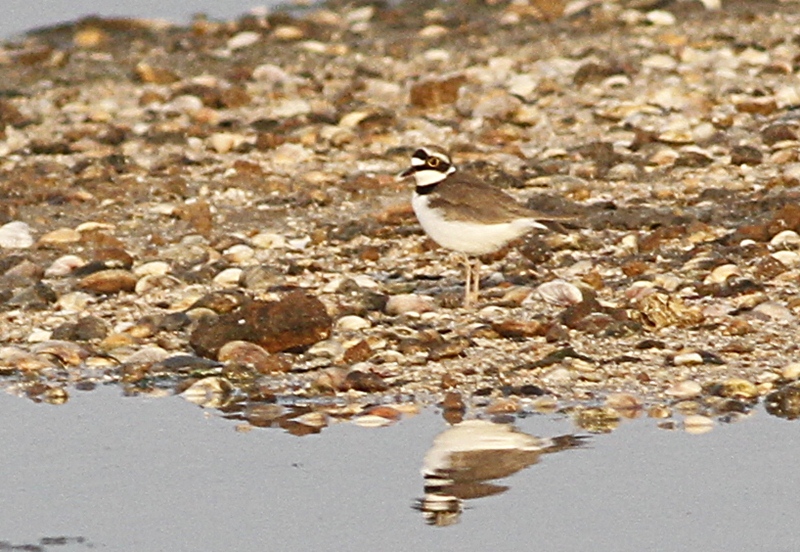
466, 458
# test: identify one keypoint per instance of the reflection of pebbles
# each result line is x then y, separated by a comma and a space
464, 458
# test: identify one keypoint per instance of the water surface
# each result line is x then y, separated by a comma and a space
139, 473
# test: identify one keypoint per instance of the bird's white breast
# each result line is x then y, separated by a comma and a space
467, 237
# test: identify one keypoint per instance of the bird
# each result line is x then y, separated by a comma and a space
465, 214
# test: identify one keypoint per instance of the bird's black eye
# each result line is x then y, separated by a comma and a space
433, 162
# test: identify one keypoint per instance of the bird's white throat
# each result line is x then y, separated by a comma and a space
429, 177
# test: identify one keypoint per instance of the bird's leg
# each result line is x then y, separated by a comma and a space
476, 278
468, 283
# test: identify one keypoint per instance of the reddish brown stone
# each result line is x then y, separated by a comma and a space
359, 352
297, 320
108, 281
514, 329
433, 93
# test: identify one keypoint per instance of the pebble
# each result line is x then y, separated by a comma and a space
223, 142
687, 359
772, 310
75, 301
59, 237
560, 293
721, 274
785, 239
789, 259
409, 302
152, 268
295, 320
63, 266
250, 354
229, 277
243, 40
108, 281
15, 235
239, 254
352, 323
791, 371
683, 390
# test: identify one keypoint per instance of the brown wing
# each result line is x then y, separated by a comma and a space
462, 197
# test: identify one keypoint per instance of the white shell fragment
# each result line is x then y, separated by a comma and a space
560, 293
15, 235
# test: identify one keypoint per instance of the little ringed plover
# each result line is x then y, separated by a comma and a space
465, 214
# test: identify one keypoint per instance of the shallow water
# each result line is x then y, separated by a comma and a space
134, 473
23, 15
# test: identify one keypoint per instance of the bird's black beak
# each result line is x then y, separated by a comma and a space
408, 172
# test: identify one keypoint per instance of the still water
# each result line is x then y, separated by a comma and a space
19, 16
106, 472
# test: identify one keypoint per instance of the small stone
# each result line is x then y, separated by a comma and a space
516, 329
75, 301
449, 348
791, 371
436, 92
60, 237
721, 274
153, 268
687, 359
243, 40
352, 323
108, 282
147, 73
409, 302
229, 277
368, 382
772, 310
789, 259
63, 266
288, 33
239, 254
15, 235
685, 389
746, 155
223, 142
660, 18
560, 293
85, 329
785, 239
66, 351
360, 352
255, 356
736, 388
503, 406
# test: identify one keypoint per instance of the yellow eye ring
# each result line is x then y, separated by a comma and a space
433, 162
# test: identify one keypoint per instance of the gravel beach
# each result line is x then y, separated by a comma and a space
213, 210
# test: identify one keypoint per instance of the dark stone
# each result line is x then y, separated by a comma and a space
37, 296
294, 322
785, 402
221, 302
174, 321
449, 348
85, 329
746, 155
779, 132
368, 382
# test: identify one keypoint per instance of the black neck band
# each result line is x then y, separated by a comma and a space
425, 190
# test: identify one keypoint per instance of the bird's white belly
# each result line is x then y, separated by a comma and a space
467, 237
